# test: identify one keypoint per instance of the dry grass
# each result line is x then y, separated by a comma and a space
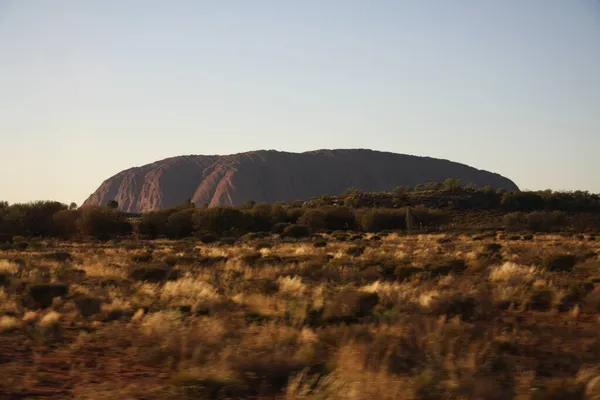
286, 320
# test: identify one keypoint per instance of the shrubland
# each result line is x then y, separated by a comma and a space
302, 301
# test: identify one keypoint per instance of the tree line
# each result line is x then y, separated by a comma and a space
542, 211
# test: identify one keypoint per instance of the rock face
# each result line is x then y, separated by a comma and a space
269, 176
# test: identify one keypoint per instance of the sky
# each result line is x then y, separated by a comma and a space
89, 88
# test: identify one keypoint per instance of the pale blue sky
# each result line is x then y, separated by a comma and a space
89, 88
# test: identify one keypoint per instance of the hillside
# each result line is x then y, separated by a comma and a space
269, 176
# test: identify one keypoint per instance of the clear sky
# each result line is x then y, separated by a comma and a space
89, 88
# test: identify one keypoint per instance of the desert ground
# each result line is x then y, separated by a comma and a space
332, 316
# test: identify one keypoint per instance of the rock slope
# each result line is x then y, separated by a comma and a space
269, 176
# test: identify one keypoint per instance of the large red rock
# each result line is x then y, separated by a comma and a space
269, 176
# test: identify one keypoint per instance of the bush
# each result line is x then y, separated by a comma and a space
262, 218
355, 251
350, 305
516, 221
88, 306
292, 215
540, 300
339, 218
404, 272
154, 274
279, 227
296, 231
154, 224
376, 220
314, 219
320, 243
43, 294
445, 266
179, 224
426, 217
560, 262
102, 223
522, 201
222, 220
65, 223
207, 238
540, 221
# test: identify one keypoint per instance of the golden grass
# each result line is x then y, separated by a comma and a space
306, 328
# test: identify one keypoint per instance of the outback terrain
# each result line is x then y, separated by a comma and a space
344, 316
431, 292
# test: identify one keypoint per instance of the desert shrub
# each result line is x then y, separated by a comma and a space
296, 231
405, 272
59, 256
179, 224
401, 190
591, 302
210, 261
207, 238
154, 224
540, 299
339, 218
43, 294
141, 257
292, 215
349, 305
541, 221
560, 262
102, 223
23, 245
314, 219
320, 243
30, 219
445, 266
228, 241
279, 227
88, 306
154, 273
454, 304
493, 248
221, 220
355, 250
574, 295
516, 221
262, 218
251, 258
376, 220
427, 217
522, 201
65, 223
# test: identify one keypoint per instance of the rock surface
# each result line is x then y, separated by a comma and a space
269, 176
